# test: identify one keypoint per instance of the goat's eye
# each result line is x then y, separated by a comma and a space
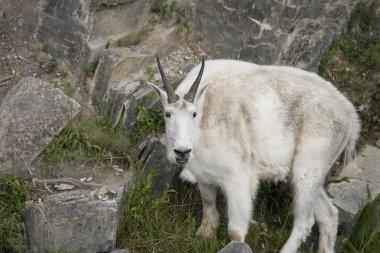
194, 114
167, 114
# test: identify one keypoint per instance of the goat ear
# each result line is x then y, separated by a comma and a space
160, 93
200, 92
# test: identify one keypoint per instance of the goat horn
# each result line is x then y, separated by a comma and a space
172, 97
193, 90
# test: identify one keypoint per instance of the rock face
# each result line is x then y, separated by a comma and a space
117, 84
292, 32
79, 28
81, 220
32, 113
154, 159
361, 182
236, 247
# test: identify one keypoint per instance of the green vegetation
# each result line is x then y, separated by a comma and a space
12, 202
161, 224
353, 65
68, 89
88, 138
150, 71
362, 17
150, 121
54, 62
87, 70
168, 223
164, 9
365, 235
131, 39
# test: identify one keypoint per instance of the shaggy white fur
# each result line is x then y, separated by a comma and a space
251, 122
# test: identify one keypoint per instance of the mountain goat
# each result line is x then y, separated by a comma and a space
239, 122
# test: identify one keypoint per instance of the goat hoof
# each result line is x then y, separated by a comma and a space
205, 231
235, 235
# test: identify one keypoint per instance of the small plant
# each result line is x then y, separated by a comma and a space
68, 89
149, 120
164, 9
88, 138
362, 17
12, 203
87, 70
365, 234
53, 66
71, 144
54, 62
150, 71
130, 40
142, 80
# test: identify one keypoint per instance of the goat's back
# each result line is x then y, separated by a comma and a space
268, 108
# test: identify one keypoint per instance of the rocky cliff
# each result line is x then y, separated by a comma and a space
123, 37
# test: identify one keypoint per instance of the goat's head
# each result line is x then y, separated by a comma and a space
180, 117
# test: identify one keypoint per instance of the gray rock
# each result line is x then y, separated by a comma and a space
236, 247
365, 231
154, 159
361, 184
270, 32
21, 22
32, 114
378, 144
349, 196
83, 220
72, 27
116, 87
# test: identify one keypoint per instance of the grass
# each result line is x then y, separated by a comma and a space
69, 89
12, 202
53, 66
131, 39
87, 70
90, 139
150, 121
353, 65
168, 223
164, 9
161, 223
365, 234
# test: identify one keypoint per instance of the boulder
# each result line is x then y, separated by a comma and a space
236, 247
79, 29
295, 33
32, 114
118, 82
78, 220
153, 157
365, 232
360, 184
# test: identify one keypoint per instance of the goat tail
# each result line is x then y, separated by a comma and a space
350, 150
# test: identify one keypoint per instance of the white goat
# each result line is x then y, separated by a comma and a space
243, 123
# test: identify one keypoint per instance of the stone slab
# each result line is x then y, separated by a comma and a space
366, 167
31, 115
236, 247
361, 184
80, 220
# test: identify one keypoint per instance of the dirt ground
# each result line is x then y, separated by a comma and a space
20, 52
